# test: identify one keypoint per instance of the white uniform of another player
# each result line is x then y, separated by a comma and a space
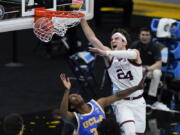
124, 74
130, 113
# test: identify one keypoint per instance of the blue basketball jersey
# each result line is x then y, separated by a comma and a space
87, 123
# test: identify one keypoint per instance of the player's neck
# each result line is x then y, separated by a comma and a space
85, 108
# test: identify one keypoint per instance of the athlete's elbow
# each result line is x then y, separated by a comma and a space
133, 55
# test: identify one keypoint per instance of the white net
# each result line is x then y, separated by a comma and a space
56, 22
61, 25
44, 29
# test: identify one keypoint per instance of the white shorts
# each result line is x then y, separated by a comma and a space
131, 111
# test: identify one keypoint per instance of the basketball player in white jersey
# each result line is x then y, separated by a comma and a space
125, 71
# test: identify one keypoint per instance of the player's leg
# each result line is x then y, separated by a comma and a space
139, 112
156, 76
125, 118
128, 128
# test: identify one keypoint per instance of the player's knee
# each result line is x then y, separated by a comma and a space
128, 128
129, 133
157, 73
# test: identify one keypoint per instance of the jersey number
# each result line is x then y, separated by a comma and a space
122, 75
94, 131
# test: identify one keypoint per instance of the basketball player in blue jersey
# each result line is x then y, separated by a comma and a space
125, 71
88, 115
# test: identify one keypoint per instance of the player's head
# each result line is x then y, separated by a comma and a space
119, 39
75, 101
108, 126
145, 35
13, 124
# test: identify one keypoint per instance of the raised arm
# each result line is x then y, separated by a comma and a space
122, 94
132, 54
90, 35
64, 103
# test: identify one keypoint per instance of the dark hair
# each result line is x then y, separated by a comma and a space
108, 126
12, 124
125, 33
144, 29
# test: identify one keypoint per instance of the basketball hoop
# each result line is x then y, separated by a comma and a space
47, 23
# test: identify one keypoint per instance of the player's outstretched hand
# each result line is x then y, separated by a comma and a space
141, 83
66, 81
97, 51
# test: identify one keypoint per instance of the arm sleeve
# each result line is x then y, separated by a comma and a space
129, 54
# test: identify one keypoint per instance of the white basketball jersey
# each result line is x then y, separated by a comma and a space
125, 74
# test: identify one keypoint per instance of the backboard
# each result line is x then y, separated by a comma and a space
19, 14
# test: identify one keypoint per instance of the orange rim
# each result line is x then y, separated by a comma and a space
42, 12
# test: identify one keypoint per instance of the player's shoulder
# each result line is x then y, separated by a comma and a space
92, 101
